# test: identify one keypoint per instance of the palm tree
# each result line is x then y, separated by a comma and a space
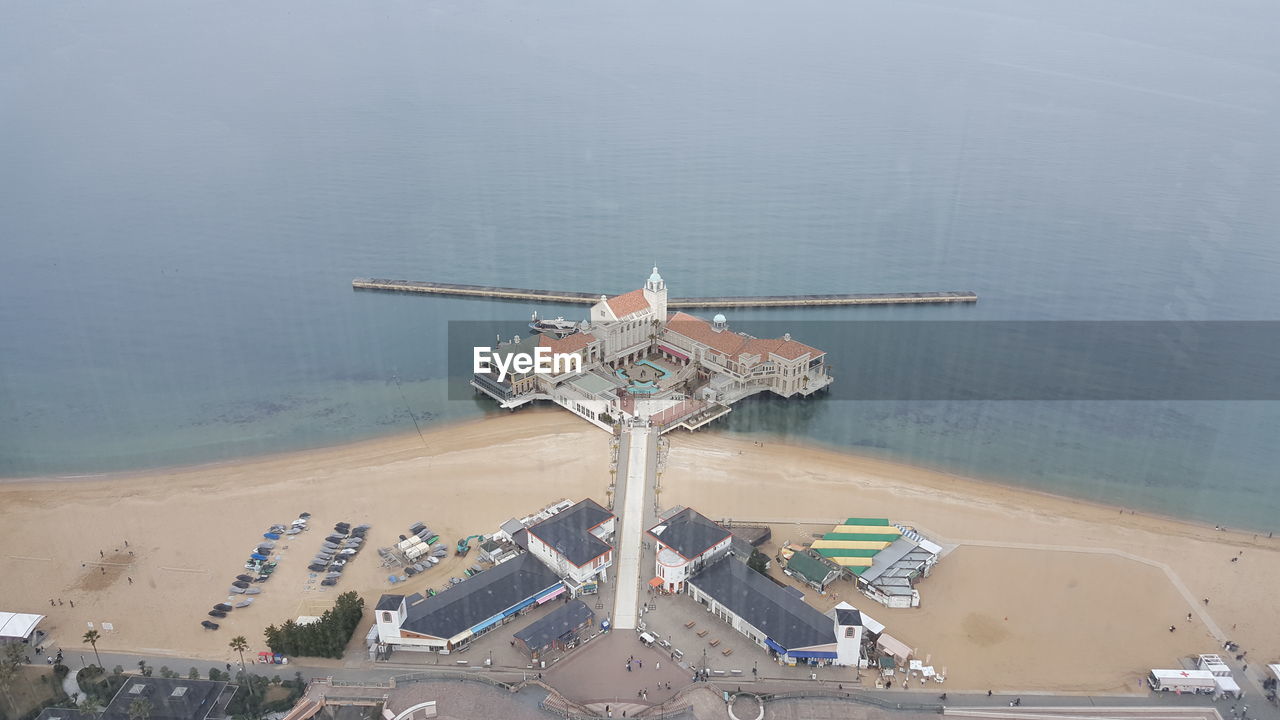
92, 638
140, 709
239, 644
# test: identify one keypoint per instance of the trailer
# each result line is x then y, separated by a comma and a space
1183, 681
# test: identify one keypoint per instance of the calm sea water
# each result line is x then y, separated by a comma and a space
186, 192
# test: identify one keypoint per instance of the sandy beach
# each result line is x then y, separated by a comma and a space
1042, 592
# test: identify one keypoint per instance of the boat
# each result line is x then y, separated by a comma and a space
558, 327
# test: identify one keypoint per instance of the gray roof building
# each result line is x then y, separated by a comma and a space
490, 594
569, 532
894, 569
689, 533
555, 625
787, 620
65, 714
172, 699
848, 617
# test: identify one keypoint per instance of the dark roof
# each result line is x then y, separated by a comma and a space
689, 533
560, 621
171, 699
810, 568
389, 602
848, 617
569, 532
786, 619
480, 597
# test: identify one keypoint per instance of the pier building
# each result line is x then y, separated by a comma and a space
641, 362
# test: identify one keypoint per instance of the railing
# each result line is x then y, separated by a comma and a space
852, 696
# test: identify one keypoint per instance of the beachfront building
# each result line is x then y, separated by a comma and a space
775, 617
562, 629
812, 570
20, 628
575, 544
885, 560
641, 362
170, 699
684, 543
450, 620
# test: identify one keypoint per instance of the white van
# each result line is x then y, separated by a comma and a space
1196, 681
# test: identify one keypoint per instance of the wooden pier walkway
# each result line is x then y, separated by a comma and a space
507, 293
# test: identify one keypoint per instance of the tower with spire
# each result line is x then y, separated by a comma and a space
655, 291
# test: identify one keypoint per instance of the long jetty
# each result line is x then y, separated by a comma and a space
581, 298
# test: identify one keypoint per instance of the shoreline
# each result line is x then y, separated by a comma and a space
406, 440
1021, 561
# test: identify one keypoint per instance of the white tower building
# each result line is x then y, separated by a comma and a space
655, 291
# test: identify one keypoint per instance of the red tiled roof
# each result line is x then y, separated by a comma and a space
700, 330
572, 343
632, 302
734, 345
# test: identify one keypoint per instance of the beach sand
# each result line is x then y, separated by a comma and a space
997, 612
1044, 592
190, 530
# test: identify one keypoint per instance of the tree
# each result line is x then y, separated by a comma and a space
326, 638
92, 638
140, 709
240, 644
10, 665
758, 562
193, 674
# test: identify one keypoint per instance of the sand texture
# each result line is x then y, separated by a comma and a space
1036, 592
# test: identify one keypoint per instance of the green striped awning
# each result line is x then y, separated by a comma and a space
855, 536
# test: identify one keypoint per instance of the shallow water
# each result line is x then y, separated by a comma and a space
187, 192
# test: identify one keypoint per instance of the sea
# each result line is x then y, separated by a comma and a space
188, 189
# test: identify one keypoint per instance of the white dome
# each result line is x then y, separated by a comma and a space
655, 277
719, 319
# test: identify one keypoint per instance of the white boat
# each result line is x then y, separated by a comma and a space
558, 327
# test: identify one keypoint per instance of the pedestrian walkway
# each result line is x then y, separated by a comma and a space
71, 685
639, 444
